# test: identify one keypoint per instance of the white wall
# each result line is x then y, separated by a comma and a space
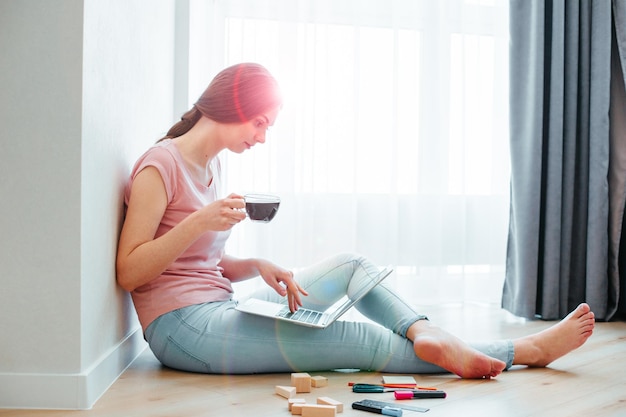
85, 86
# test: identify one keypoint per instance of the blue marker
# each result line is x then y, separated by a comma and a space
375, 407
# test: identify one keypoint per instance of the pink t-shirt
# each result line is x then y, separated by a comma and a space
195, 276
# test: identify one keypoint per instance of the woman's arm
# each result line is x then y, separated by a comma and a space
141, 257
236, 269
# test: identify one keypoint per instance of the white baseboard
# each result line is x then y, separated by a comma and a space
70, 391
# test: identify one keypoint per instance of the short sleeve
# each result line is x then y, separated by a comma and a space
162, 159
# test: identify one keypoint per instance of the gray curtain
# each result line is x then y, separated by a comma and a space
568, 157
617, 171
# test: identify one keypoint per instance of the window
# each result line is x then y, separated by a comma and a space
393, 141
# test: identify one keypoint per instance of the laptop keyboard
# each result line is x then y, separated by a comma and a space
302, 315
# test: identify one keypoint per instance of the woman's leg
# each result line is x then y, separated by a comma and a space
215, 338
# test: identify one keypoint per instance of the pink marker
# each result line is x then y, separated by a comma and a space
417, 394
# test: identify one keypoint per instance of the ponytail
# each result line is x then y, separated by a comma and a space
187, 121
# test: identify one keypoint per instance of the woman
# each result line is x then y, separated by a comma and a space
171, 258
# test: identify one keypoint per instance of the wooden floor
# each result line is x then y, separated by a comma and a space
591, 381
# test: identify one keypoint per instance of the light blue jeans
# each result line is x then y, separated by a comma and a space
216, 338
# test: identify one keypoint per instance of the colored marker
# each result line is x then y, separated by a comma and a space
417, 394
386, 410
405, 386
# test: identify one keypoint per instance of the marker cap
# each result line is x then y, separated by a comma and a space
392, 411
403, 395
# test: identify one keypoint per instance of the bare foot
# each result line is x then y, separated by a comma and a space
542, 348
439, 347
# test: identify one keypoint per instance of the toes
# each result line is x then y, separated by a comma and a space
583, 308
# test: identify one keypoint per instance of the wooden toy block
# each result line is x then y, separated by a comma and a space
329, 401
287, 392
302, 381
318, 410
293, 401
319, 381
296, 409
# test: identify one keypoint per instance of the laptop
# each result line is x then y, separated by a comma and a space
307, 317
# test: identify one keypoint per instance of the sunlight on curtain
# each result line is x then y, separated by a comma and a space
393, 141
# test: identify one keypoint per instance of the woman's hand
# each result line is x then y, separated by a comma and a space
283, 282
280, 279
223, 214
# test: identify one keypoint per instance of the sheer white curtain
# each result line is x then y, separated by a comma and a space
393, 141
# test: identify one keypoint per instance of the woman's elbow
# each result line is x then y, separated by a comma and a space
123, 278
124, 283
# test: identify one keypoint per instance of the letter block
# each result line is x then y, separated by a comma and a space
302, 381
316, 410
296, 409
287, 392
319, 381
329, 401
294, 401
